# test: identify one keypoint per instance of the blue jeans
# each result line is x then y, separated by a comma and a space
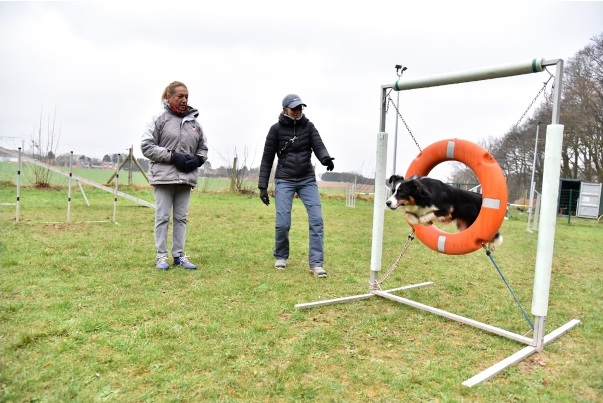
307, 190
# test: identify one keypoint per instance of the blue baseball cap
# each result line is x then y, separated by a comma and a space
291, 101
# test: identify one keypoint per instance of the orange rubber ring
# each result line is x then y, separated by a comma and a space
494, 196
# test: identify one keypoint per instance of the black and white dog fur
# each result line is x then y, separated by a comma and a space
426, 201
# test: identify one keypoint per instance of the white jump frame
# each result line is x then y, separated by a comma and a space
548, 214
79, 180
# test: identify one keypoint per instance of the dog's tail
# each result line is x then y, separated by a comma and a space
496, 241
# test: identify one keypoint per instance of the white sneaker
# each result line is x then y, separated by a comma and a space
162, 263
280, 264
318, 272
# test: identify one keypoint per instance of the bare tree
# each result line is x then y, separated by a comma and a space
582, 114
44, 145
239, 172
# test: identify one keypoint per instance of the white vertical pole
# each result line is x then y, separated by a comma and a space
399, 71
542, 276
546, 228
69, 187
396, 134
130, 165
536, 211
115, 192
379, 207
532, 185
18, 208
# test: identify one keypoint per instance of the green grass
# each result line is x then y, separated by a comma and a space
86, 317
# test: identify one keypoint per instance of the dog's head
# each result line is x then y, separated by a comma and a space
404, 191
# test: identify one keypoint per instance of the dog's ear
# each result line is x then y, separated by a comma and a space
394, 178
421, 188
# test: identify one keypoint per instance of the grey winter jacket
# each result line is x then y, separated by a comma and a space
167, 133
294, 157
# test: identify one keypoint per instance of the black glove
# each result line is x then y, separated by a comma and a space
179, 160
264, 196
328, 162
193, 162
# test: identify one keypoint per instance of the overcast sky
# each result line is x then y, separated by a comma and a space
100, 69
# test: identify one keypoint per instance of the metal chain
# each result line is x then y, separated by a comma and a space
390, 100
377, 284
534, 100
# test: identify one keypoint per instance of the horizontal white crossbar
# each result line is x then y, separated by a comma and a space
515, 69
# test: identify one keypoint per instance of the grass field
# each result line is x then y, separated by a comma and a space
86, 317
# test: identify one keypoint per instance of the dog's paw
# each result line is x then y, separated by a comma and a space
426, 220
492, 246
412, 219
495, 243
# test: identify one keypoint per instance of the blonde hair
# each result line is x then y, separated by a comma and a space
169, 90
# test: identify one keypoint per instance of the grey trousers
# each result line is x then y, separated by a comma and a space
168, 197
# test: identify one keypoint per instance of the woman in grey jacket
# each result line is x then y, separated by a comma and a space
174, 143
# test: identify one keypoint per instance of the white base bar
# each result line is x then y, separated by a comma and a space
458, 318
487, 373
504, 364
518, 356
555, 334
356, 297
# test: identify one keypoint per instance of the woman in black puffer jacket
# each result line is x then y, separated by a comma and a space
293, 139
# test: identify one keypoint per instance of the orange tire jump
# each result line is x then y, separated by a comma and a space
494, 196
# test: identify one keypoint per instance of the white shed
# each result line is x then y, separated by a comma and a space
589, 200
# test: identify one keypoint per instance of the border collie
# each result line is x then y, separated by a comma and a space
426, 201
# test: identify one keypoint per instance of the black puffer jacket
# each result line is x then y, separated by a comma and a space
294, 163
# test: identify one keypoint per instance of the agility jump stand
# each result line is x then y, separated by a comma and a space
115, 189
547, 222
79, 180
